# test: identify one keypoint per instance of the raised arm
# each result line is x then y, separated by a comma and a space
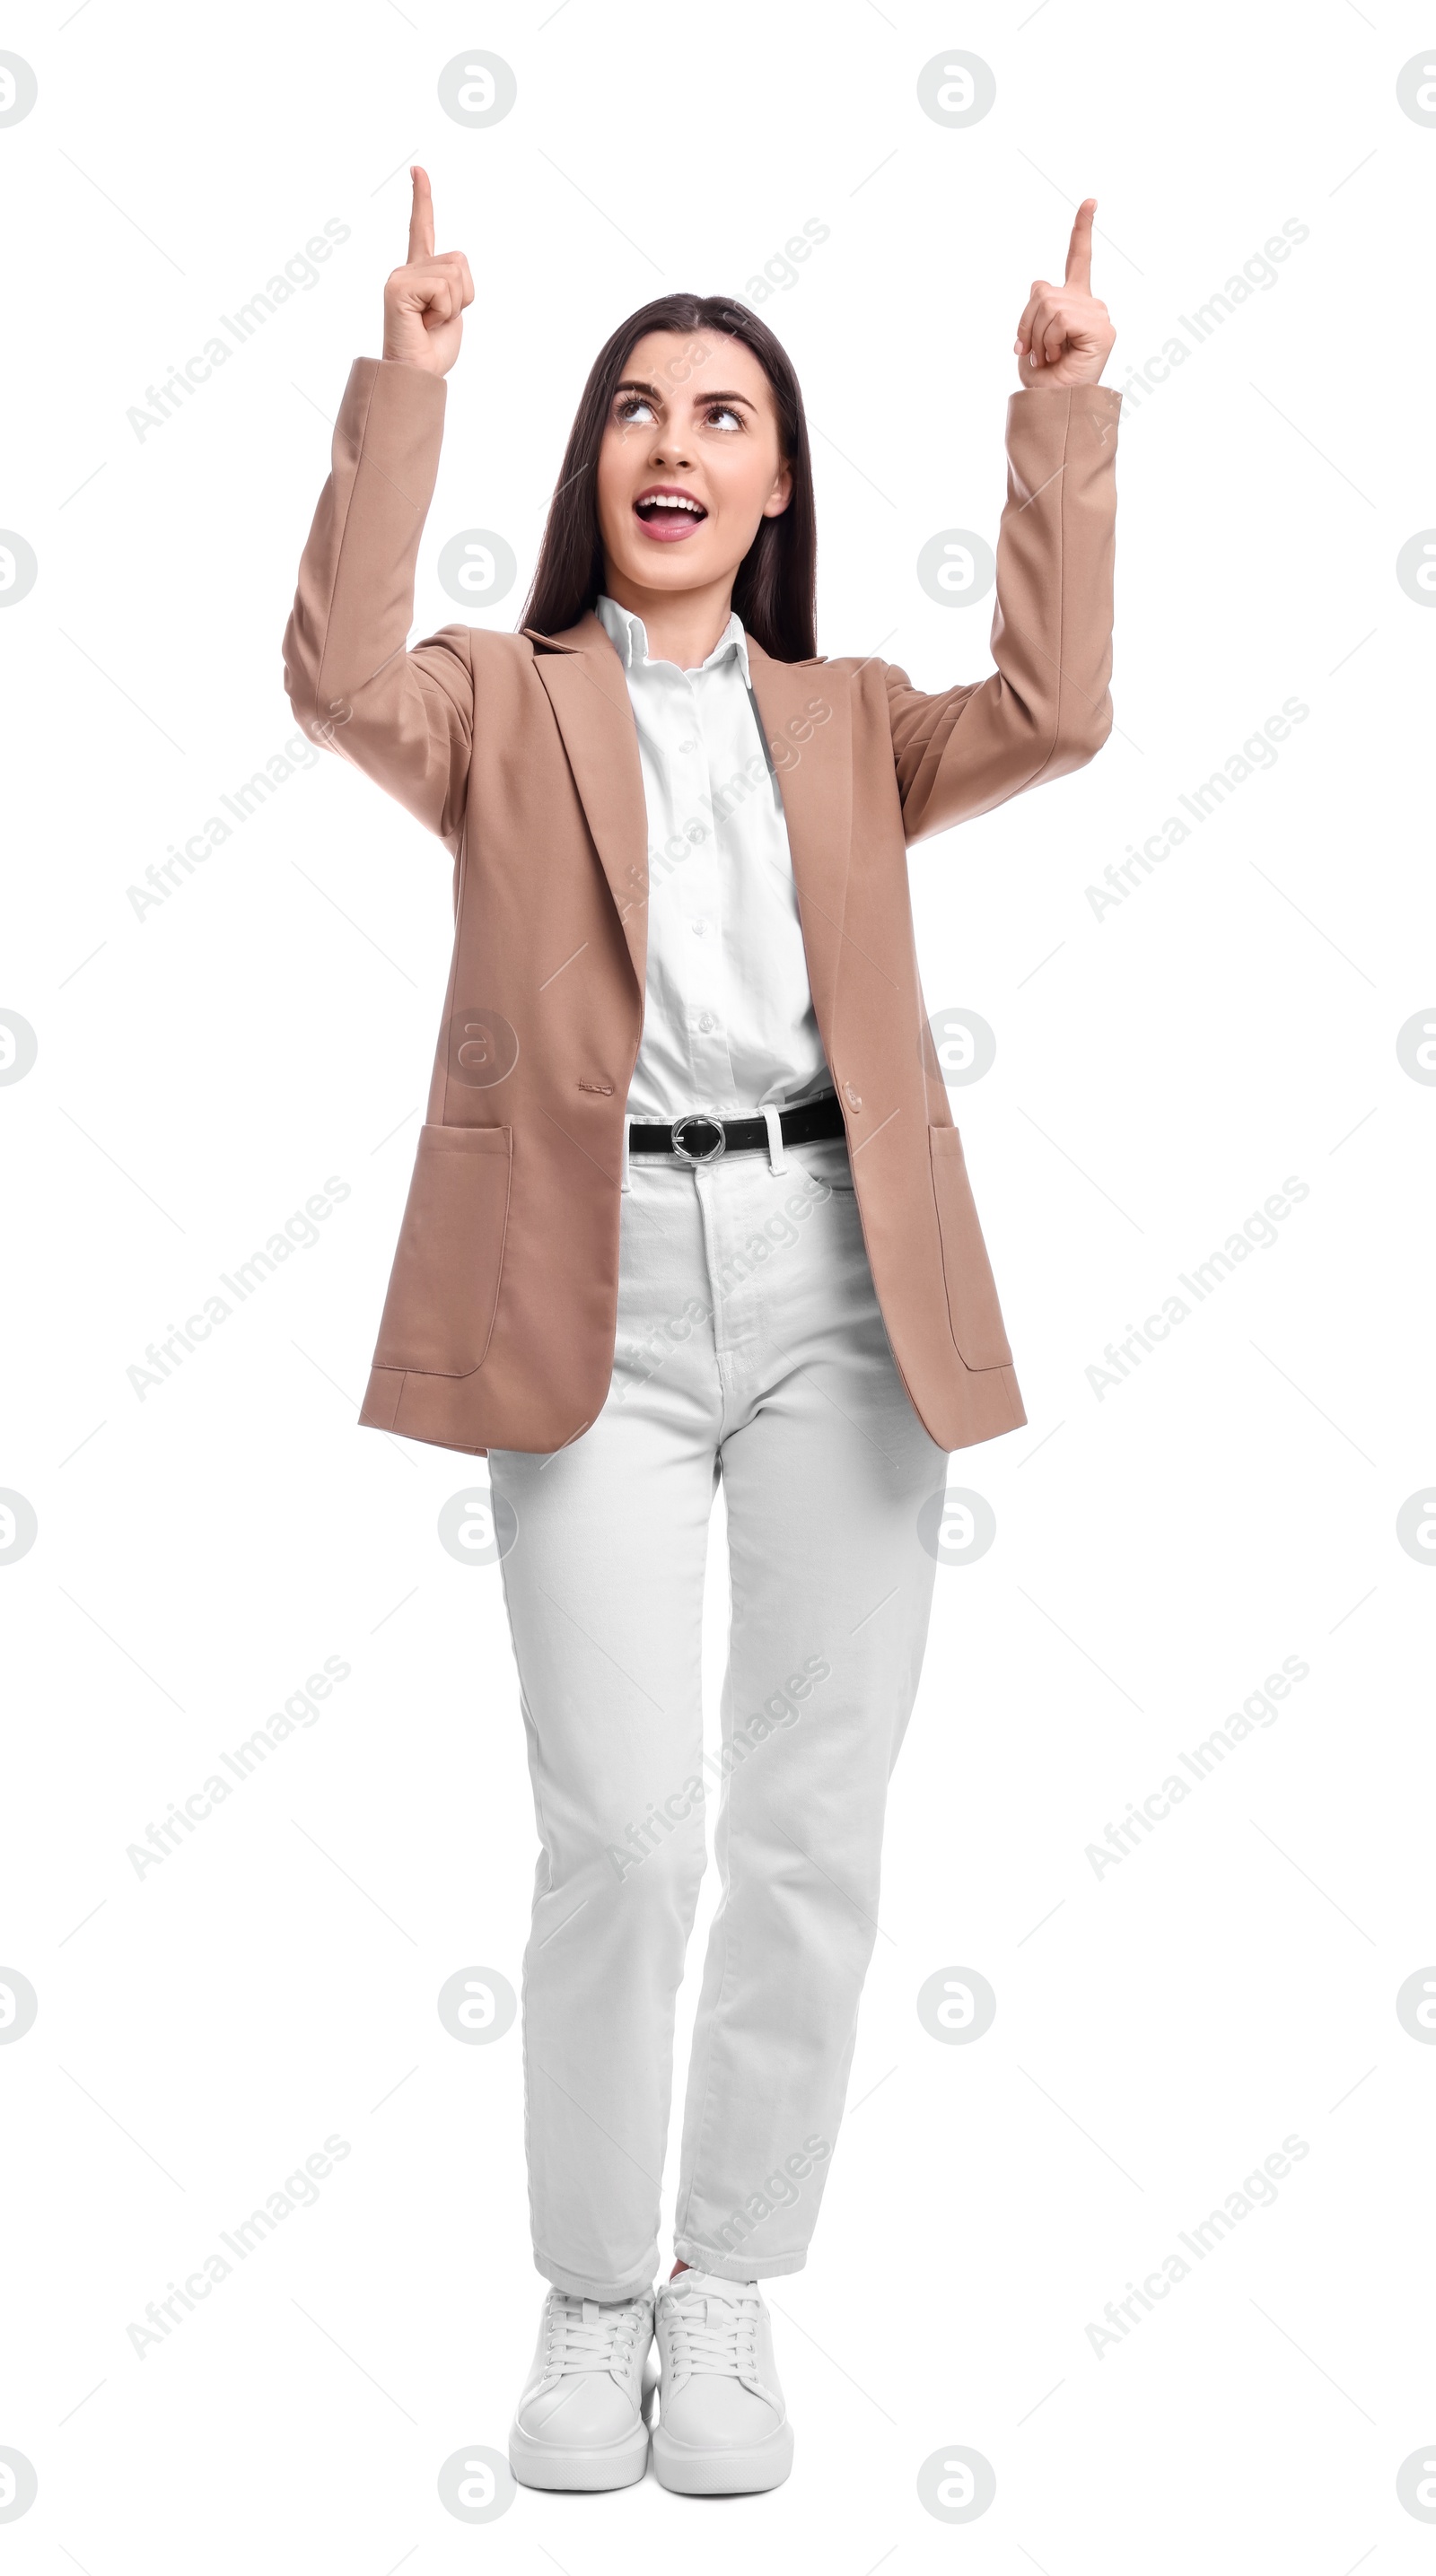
1046, 709
404, 717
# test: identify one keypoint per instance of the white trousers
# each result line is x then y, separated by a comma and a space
749, 1346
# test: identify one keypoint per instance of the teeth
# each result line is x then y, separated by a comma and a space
668, 501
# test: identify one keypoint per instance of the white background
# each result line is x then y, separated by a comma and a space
1160, 1071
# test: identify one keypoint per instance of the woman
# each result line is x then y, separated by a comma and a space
689, 1205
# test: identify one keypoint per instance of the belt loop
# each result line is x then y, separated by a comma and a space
773, 1120
623, 1182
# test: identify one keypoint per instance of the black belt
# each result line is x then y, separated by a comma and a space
697, 1138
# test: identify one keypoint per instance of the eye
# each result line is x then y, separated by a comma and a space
724, 411
629, 406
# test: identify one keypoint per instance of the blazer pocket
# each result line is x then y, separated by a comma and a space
444, 1286
972, 1307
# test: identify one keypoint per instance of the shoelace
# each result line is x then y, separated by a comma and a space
582, 2335
713, 2334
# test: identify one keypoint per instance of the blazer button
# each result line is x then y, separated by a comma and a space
853, 1098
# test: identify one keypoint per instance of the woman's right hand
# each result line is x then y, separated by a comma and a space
424, 301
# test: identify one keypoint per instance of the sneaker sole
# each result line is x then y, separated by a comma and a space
748, 2472
544, 2464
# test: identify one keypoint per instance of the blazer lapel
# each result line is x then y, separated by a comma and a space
808, 729
807, 724
584, 679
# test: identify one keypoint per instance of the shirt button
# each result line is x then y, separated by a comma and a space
699, 929
854, 1098
688, 746
707, 1024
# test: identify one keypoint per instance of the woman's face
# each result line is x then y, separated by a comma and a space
692, 421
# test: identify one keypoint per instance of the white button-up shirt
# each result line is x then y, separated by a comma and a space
728, 1021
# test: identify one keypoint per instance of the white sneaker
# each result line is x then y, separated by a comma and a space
723, 2427
580, 2420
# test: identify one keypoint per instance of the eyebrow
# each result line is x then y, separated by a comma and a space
636, 385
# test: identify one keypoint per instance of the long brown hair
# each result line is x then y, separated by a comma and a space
775, 586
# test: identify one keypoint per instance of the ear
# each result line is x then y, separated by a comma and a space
781, 493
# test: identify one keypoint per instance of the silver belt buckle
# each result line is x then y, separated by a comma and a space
697, 1118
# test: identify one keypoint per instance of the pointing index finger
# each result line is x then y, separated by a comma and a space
421, 218
1079, 249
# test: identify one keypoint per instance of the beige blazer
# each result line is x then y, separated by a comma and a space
520, 751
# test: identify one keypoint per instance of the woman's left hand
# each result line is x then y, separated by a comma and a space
1065, 336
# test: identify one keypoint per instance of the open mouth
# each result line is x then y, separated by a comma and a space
668, 513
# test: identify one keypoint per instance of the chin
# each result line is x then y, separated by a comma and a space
665, 573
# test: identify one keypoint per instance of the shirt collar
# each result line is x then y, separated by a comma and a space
630, 636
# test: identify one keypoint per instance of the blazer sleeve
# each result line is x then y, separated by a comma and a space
404, 717
1046, 708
